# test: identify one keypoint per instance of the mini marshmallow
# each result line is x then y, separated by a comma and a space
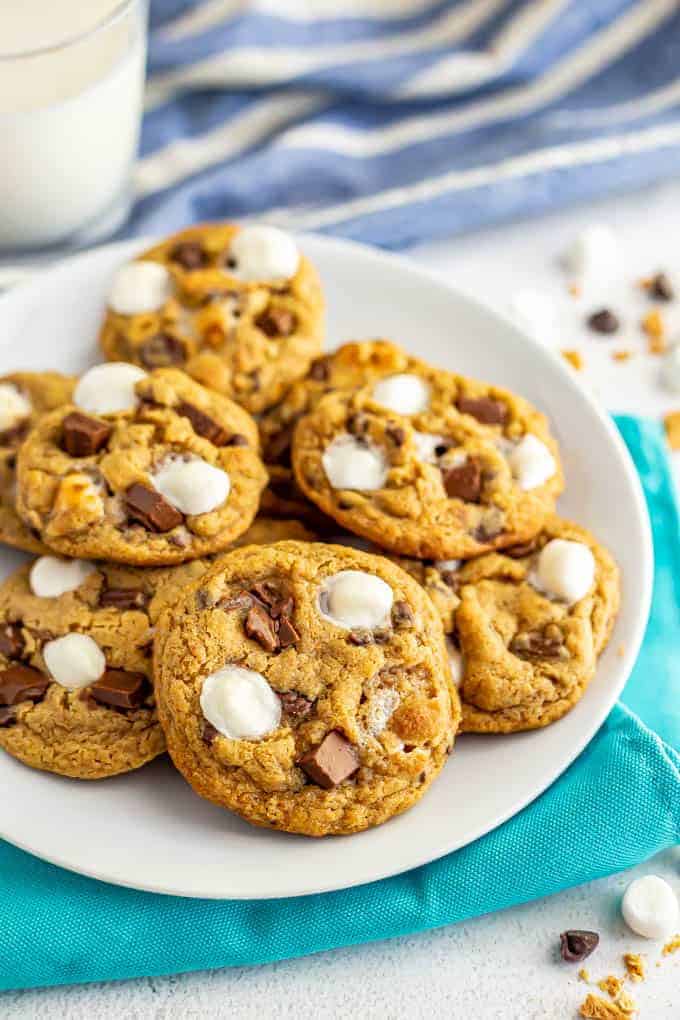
565, 570
264, 253
240, 704
353, 598
403, 393
108, 388
650, 907
531, 462
447, 564
14, 406
535, 314
51, 576
74, 661
192, 486
670, 370
382, 706
455, 662
426, 444
139, 287
351, 464
593, 252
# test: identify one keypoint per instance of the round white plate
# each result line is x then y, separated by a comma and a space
148, 829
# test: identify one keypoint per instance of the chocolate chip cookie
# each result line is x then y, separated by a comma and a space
24, 396
238, 308
531, 623
429, 465
306, 687
76, 692
148, 469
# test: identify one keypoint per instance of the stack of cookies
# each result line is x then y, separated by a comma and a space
303, 575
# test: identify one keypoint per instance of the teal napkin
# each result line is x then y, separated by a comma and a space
58, 928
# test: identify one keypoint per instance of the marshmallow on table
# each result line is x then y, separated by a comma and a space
650, 907
352, 464
593, 252
403, 393
565, 570
51, 576
531, 462
139, 288
240, 704
14, 406
191, 486
263, 253
353, 598
670, 369
74, 661
106, 389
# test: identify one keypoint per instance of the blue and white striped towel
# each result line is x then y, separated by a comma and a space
397, 121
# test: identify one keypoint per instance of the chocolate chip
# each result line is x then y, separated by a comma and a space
490, 527
287, 633
517, 552
189, 254
397, 434
151, 509
604, 321
450, 578
81, 436
7, 715
360, 637
22, 683
203, 424
267, 592
120, 689
260, 627
463, 482
236, 440
533, 644
242, 600
209, 733
402, 615
161, 350
577, 945
295, 705
661, 287
331, 762
278, 447
276, 322
14, 435
357, 424
124, 598
11, 641
484, 409
320, 370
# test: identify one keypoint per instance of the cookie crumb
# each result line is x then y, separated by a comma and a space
624, 1002
653, 325
672, 946
621, 650
574, 358
575, 290
611, 985
596, 1008
584, 975
623, 355
672, 424
635, 966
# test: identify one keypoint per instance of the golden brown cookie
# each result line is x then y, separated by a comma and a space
24, 396
306, 687
238, 308
144, 469
530, 625
76, 691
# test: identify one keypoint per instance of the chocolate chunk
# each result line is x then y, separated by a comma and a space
517, 552
11, 641
260, 627
319, 370
287, 633
577, 945
484, 409
7, 715
331, 762
661, 287
120, 689
604, 321
161, 350
22, 683
81, 436
236, 440
463, 482
276, 322
151, 509
533, 644
402, 615
295, 705
267, 592
208, 733
278, 447
124, 598
242, 600
203, 424
189, 254
13, 436
397, 434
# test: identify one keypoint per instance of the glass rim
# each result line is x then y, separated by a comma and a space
109, 19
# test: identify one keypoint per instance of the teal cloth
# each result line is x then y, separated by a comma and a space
57, 927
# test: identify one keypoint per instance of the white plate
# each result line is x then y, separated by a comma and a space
147, 829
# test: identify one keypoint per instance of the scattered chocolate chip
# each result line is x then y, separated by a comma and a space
287, 633
11, 641
360, 637
189, 254
604, 321
7, 715
532, 644
242, 600
517, 552
577, 945
22, 683
484, 409
402, 615
209, 733
331, 762
278, 447
397, 434
236, 440
295, 705
161, 350
276, 322
203, 424
81, 435
463, 482
260, 627
320, 370
661, 287
124, 598
120, 689
151, 509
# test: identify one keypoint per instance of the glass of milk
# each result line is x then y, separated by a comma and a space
71, 91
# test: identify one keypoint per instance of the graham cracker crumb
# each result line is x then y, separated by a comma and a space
672, 946
623, 355
672, 423
584, 975
611, 985
575, 289
653, 326
646, 282
624, 1002
635, 966
575, 359
596, 1008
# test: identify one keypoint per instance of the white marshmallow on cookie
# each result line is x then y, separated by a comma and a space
14, 406
650, 907
240, 704
263, 253
531, 462
455, 662
403, 393
353, 598
565, 570
139, 288
51, 576
426, 444
109, 388
74, 660
350, 463
191, 485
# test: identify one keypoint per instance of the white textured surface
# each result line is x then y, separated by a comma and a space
503, 966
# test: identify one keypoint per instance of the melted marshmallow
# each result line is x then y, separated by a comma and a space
426, 444
106, 389
403, 393
455, 662
351, 464
650, 907
353, 598
565, 570
51, 576
74, 661
531, 462
264, 253
14, 406
240, 704
139, 288
192, 486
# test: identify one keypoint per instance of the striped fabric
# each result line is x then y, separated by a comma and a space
397, 121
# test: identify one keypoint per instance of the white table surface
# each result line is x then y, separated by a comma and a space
502, 966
